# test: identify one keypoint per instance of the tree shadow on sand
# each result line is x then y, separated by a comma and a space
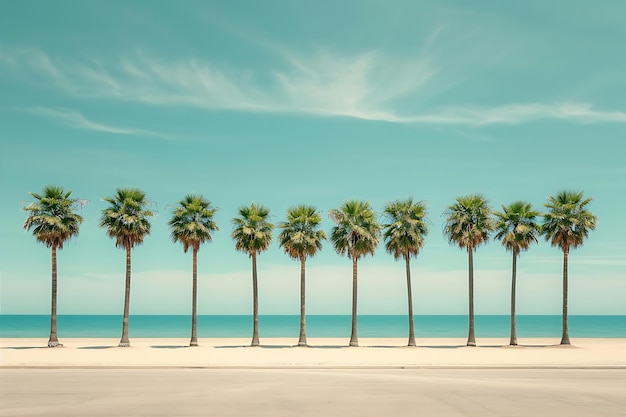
170, 346
25, 347
442, 346
542, 346
231, 346
327, 346
96, 347
282, 346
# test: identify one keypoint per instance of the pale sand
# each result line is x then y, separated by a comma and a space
322, 352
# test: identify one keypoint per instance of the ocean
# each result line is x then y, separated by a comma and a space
94, 326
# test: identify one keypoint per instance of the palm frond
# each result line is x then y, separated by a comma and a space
192, 222
126, 218
52, 217
468, 222
516, 226
568, 222
301, 235
357, 232
406, 227
251, 230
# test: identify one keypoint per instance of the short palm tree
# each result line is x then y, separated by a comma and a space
517, 228
356, 234
468, 224
301, 237
404, 237
566, 225
53, 221
253, 234
126, 221
192, 224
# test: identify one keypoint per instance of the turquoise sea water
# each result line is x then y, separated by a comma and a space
317, 326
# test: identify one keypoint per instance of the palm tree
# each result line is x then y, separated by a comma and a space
192, 224
301, 237
468, 224
253, 234
126, 221
566, 225
517, 229
357, 233
53, 221
404, 236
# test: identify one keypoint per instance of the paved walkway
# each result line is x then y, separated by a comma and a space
313, 392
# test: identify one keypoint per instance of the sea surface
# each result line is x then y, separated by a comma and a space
94, 326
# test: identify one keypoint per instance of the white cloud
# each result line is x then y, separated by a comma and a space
366, 86
76, 120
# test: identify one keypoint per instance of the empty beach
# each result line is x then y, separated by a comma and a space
322, 352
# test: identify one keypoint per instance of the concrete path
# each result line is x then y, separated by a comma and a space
312, 392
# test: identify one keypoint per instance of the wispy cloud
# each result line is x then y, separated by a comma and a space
519, 113
76, 120
367, 86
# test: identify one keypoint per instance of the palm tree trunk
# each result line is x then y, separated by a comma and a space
255, 301
124, 342
410, 294
471, 339
513, 341
54, 341
302, 339
565, 337
194, 301
354, 339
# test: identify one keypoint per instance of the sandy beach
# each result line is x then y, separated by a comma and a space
322, 352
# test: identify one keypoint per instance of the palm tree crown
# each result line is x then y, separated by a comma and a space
468, 222
192, 222
568, 222
52, 216
357, 233
516, 226
126, 219
252, 232
301, 236
405, 232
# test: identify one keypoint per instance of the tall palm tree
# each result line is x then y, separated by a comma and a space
517, 228
468, 224
301, 237
192, 224
404, 236
356, 234
253, 234
126, 221
566, 225
53, 221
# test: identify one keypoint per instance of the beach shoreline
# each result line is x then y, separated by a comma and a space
321, 353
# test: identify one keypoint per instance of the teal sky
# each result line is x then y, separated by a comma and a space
287, 102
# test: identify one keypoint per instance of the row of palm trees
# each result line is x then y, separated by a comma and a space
357, 232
